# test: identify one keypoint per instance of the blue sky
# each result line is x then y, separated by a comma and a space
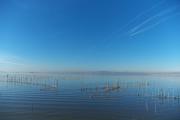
117, 35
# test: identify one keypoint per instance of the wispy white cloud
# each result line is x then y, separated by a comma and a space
11, 62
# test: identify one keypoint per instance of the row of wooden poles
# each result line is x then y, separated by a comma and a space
45, 82
141, 89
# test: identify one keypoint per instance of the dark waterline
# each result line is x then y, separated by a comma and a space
31, 96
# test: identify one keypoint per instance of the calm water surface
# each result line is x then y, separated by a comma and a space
30, 96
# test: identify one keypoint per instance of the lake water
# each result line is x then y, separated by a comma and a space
30, 96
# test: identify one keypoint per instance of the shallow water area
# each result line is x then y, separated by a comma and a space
37, 96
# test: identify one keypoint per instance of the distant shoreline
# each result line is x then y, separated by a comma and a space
102, 73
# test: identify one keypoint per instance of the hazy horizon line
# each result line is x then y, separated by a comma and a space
97, 72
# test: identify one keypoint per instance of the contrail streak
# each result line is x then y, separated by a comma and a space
152, 18
143, 13
135, 19
154, 25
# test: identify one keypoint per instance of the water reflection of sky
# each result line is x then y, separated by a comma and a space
89, 97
